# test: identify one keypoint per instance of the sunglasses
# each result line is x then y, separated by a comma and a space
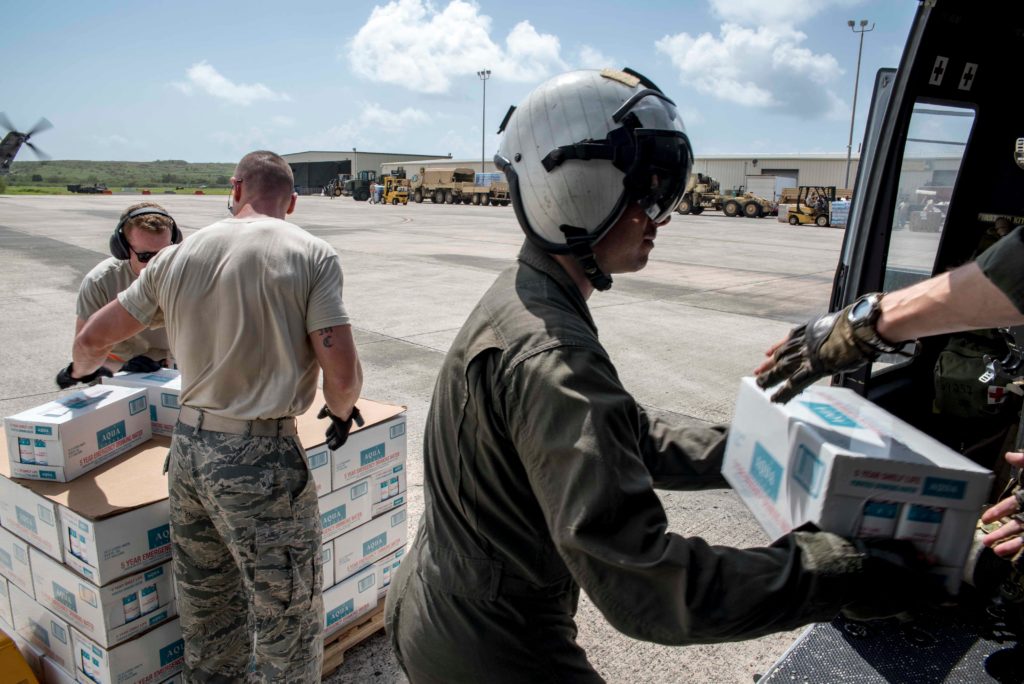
143, 257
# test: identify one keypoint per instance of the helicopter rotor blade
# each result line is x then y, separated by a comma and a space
42, 125
5, 122
42, 156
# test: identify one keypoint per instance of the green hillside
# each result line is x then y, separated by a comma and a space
160, 173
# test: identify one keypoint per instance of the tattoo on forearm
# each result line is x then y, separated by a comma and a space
325, 336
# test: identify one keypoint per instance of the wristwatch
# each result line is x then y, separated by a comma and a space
863, 319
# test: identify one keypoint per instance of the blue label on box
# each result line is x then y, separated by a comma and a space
47, 474
318, 459
159, 536
766, 471
39, 633
5, 559
332, 517
881, 509
808, 470
41, 430
341, 612
374, 453
947, 489
110, 435
137, 405
396, 430
925, 514
154, 573
25, 519
378, 542
830, 414
172, 652
152, 413
398, 518
64, 596
169, 400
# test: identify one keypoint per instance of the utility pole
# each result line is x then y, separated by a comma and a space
856, 82
484, 74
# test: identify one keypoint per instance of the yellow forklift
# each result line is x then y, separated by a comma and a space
813, 204
396, 190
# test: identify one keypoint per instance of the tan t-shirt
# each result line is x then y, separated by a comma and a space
100, 287
239, 299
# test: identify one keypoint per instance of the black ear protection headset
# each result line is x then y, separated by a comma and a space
119, 247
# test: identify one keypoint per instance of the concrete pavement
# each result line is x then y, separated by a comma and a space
683, 332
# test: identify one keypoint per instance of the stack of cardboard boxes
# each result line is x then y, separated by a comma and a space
85, 579
362, 490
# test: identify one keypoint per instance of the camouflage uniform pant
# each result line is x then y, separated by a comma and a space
245, 534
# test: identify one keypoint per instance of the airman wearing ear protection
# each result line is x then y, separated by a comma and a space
142, 231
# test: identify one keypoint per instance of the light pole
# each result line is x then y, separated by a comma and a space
484, 74
856, 82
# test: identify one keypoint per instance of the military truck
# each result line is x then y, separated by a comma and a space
336, 186
704, 192
456, 185
358, 188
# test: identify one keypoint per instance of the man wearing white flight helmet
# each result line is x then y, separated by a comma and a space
540, 467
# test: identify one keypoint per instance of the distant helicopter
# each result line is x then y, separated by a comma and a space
13, 141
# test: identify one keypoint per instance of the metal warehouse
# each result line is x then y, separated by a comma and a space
314, 169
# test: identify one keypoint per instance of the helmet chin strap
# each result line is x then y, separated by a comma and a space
578, 241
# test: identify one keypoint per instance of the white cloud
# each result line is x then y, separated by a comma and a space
375, 116
205, 78
591, 58
762, 68
773, 12
412, 44
373, 127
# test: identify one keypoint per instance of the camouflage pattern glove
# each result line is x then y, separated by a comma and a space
65, 379
894, 581
337, 431
823, 346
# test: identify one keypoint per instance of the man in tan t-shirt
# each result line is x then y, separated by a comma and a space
253, 310
142, 231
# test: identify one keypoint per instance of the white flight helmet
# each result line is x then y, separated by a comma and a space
581, 148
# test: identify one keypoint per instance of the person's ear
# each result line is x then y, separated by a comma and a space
291, 203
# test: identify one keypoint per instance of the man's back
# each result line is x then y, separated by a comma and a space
239, 299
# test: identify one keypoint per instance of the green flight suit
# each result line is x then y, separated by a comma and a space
540, 471
1003, 264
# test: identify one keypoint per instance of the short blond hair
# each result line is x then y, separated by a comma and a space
154, 223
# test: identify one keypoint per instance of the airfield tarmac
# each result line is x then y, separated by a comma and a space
716, 293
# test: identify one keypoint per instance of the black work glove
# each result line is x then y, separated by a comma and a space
823, 346
65, 379
337, 431
894, 581
141, 364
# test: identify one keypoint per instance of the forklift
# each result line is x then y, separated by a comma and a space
813, 204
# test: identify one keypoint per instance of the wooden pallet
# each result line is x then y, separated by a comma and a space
340, 644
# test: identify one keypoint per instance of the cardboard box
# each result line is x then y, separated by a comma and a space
163, 388
366, 544
54, 673
65, 438
345, 509
327, 558
837, 460
6, 616
110, 614
319, 459
29, 515
384, 424
104, 550
346, 602
385, 569
156, 656
387, 489
14, 561
44, 630
132, 485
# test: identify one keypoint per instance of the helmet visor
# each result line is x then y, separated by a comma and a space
660, 171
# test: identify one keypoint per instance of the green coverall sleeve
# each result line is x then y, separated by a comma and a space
682, 457
1003, 264
580, 436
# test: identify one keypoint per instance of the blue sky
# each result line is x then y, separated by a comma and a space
209, 81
